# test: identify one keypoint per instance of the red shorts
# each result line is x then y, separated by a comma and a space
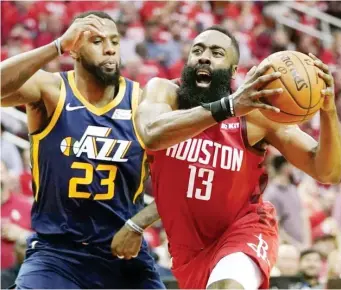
255, 234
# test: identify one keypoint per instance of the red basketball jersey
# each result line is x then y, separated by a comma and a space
202, 185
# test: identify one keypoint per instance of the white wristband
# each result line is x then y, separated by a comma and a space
231, 106
58, 46
134, 226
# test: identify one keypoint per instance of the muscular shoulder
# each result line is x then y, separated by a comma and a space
160, 90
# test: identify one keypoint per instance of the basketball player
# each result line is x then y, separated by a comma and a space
87, 162
206, 148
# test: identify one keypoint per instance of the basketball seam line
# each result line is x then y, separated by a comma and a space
284, 112
309, 86
289, 91
290, 95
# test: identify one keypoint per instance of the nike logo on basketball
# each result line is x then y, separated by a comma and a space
69, 108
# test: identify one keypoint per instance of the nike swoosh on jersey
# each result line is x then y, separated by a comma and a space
69, 108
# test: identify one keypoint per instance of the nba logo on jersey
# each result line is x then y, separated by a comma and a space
120, 114
230, 126
95, 138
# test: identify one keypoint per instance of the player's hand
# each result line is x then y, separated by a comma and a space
328, 94
248, 96
81, 27
126, 243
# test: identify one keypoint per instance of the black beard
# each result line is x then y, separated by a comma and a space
103, 77
190, 95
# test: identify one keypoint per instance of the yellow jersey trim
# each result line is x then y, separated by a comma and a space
143, 177
135, 103
36, 138
93, 109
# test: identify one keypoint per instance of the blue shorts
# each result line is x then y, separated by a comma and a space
60, 265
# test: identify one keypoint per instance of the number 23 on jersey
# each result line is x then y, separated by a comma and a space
88, 179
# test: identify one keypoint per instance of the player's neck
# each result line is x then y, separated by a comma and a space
94, 92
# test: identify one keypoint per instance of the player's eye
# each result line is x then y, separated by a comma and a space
115, 43
197, 51
218, 53
97, 41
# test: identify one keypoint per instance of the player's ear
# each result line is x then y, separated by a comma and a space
234, 71
74, 54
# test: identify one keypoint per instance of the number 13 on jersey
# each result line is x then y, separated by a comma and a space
206, 177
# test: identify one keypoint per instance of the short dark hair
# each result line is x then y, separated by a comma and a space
308, 252
99, 14
228, 33
278, 162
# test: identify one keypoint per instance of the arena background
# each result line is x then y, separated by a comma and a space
155, 41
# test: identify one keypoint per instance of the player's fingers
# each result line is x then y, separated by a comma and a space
127, 254
328, 92
251, 72
328, 79
259, 71
92, 16
93, 29
93, 21
313, 56
263, 69
321, 66
79, 39
263, 80
319, 63
119, 251
267, 93
263, 106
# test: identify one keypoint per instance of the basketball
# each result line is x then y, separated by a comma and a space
301, 84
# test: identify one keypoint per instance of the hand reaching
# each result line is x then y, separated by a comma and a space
247, 97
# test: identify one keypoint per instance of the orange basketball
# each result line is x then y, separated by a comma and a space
301, 84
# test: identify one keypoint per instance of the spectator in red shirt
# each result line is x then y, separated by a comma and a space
142, 68
176, 69
15, 216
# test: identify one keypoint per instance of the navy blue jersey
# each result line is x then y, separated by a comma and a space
88, 166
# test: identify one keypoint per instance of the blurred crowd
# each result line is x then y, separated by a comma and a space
155, 41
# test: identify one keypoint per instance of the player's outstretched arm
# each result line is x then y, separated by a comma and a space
127, 241
161, 124
23, 81
320, 160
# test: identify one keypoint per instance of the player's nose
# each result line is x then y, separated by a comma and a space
205, 59
109, 49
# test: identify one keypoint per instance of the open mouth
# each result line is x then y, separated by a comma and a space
203, 78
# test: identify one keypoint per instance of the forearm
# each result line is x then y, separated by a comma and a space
328, 154
174, 127
16, 70
147, 216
